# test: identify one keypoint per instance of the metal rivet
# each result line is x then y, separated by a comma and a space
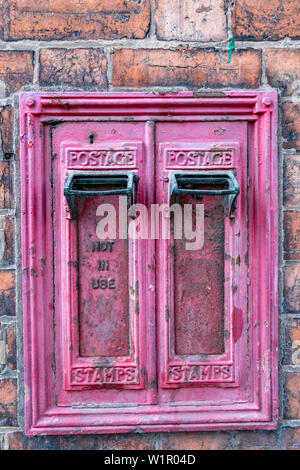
30, 102
267, 102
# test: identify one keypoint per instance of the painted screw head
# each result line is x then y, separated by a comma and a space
30, 102
267, 102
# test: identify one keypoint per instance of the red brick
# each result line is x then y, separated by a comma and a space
7, 128
106, 442
8, 350
291, 341
291, 235
11, 347
291, 178
292, 288
6, 191
18, 441
197, 441
290, 439
292, 395
16, 69
8, 402
291, 125
7, 231
78, 68
191, 68
266, 20
7, 293
256, 440
190, 20
283, 70
2, 348
3, 19
89, 19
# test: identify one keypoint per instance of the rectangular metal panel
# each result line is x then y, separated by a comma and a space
199, 286
124, 335
104, 310
204, 291
102, 334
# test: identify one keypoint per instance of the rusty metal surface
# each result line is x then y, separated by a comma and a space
148, 336
104, 347
199, 284
103, 285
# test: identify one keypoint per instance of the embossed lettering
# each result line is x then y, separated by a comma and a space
200, 158
101, 158
103, 246
103, 283
200, 373
103, 265
104, 375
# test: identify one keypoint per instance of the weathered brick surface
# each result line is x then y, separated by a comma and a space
291, 341
105, 442
3, 19
266, 20
292, 288
292, 395
7, 293
291, 178
292, 235
16, 69
252, 440
17, 441
11, 345
8, 350
290, 439
78, 68
194, 68
6, 186
283, 70
190, 20
197, 441
83, 66
7, 231
89, 19
7, 131
8, 402
2, 348
291, 125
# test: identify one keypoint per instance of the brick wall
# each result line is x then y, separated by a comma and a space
162, 45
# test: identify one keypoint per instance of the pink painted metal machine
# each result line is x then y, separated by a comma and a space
149, 333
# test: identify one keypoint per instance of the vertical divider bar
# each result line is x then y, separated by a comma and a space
149, 249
